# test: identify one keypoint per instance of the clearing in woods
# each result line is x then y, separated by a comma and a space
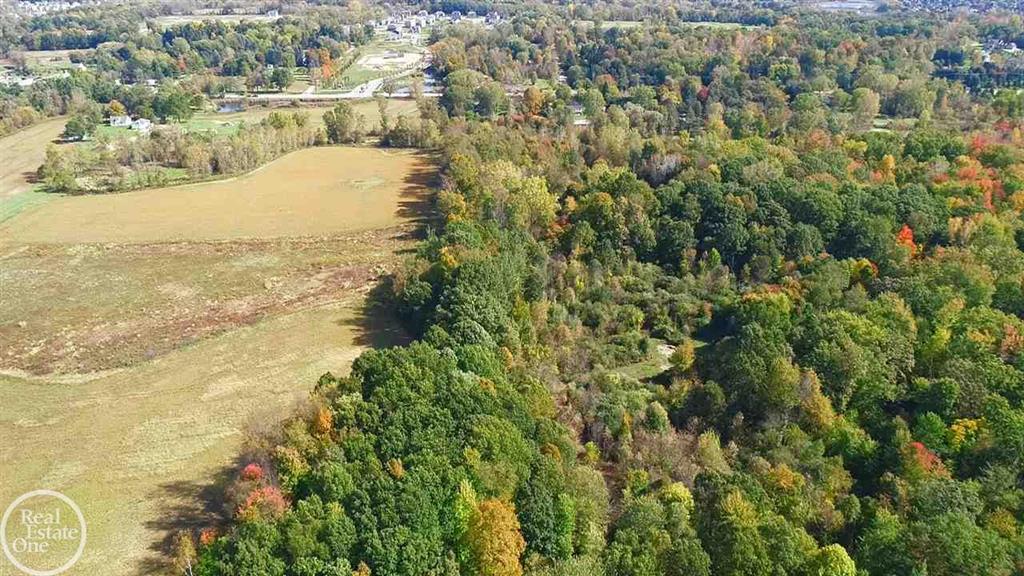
146, 334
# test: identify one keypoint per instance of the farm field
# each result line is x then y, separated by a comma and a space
48, 61
310, 192
137, 447
153, 356
25, 151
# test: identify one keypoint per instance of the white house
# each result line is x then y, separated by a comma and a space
121, 121
142, 125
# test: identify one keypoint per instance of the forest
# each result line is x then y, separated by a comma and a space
735, 300
759, 313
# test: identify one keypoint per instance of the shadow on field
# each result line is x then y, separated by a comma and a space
188, 506
376, 325
415, 204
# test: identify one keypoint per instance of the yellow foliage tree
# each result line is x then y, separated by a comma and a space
494, 540
887, 169
533, 100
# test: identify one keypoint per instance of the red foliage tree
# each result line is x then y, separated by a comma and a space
252, 472
905, 237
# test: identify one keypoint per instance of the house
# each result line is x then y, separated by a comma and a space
142, 125
121, 121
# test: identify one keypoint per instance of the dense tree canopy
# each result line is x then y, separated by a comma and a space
737, 299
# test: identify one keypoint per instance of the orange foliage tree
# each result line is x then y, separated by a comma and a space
905, 237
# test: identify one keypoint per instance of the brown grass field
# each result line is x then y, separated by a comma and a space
310, 192
146, 335
22, 154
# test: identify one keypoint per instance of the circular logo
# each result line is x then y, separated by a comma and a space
43, 533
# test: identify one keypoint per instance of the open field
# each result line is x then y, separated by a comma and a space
381, 59
85, 308
862, 6
43, 61
718, 25
314, 191
607, 24
136, 448
22, 153
168, 21
134, 367
368, 108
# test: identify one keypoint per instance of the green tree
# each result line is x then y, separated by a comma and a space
344, 125
171, 101
281, 77
83, 124
864, 105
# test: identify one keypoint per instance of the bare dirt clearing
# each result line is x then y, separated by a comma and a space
310, 192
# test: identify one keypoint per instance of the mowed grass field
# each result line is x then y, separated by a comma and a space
379, 59
145, 340
230, 122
